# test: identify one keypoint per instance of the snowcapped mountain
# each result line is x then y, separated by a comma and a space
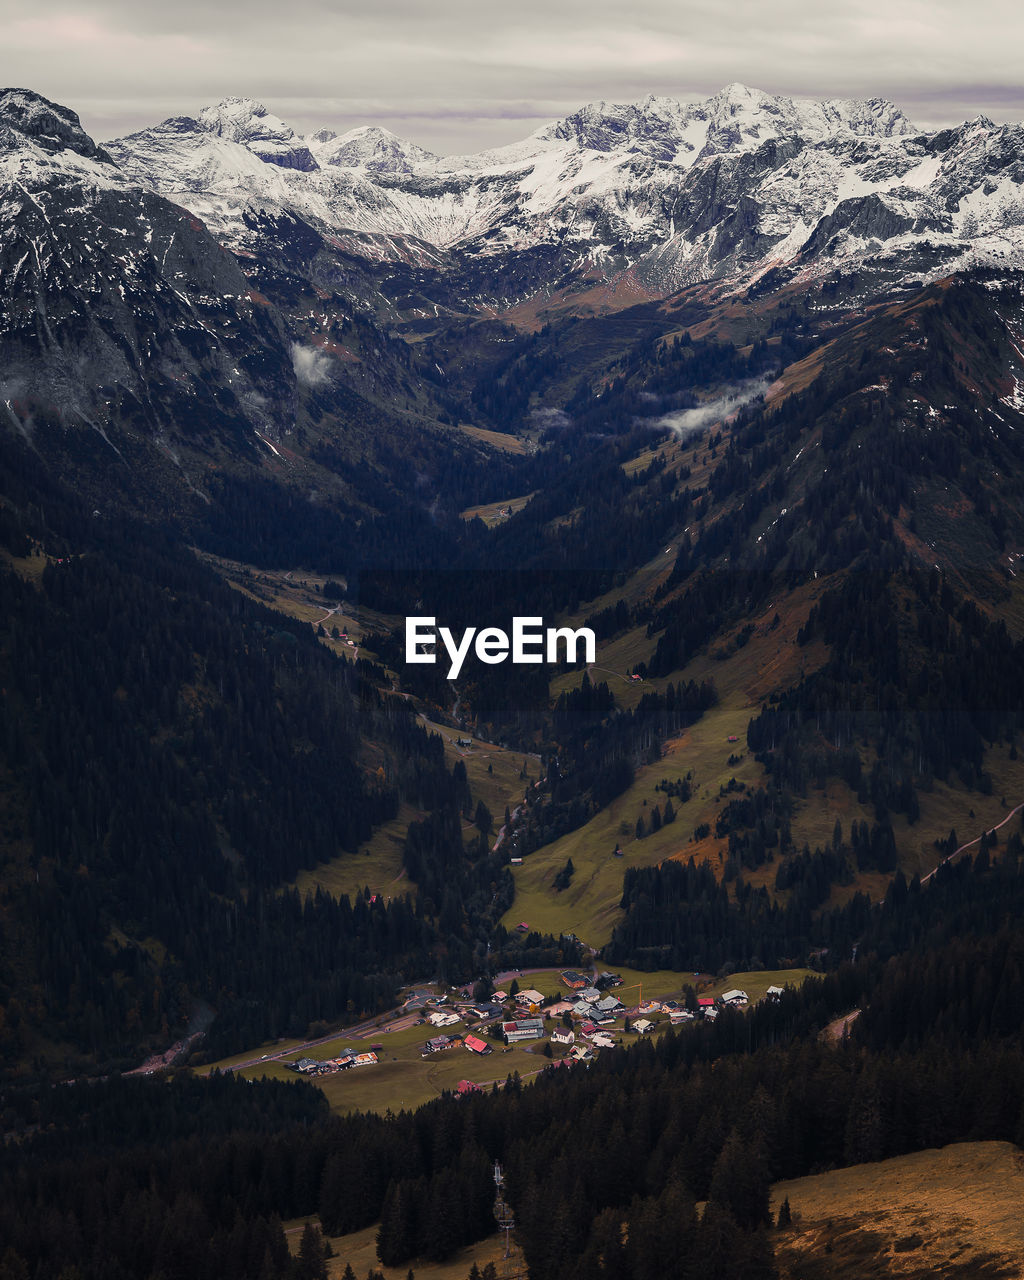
375, 150
251, 124
120, 315
660, 193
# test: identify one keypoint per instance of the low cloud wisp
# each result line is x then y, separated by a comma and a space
312, 367
685, 422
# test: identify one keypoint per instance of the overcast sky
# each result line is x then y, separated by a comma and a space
461, 75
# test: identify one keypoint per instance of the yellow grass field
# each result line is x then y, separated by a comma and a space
952, 1213
401, 1078
492, 513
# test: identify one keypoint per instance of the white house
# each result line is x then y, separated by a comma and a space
563, 1035
734, 997
642, 1026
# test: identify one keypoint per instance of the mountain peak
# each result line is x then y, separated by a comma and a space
246, 121
369, 147
47, 124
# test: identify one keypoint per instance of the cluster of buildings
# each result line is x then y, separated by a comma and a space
582, 1023
329, 1066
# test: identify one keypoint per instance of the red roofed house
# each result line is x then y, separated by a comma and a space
475, 1045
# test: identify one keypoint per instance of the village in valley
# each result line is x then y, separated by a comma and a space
576, 1017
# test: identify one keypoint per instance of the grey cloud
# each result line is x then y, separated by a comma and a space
457, 75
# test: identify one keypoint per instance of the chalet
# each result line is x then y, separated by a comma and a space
735, 997
581, 1009
581, 1053
774, 993
463, 742
562, 1035
678, 1016
480, 1012
710, 1015
499, 997
589, 1029
466, 1086
607, 979
475, 1045
523, 1029
643, 1027
590, 994
443, 1019
529, 997
609, 1005
573, 980
705, 1002
438, 1044
602, 1041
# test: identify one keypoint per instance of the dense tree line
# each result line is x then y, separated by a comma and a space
593, 1159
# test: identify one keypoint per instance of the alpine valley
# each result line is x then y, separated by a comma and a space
738, 385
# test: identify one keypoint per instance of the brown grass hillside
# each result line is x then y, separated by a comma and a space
954, 1212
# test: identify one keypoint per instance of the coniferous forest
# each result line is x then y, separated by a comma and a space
792, 515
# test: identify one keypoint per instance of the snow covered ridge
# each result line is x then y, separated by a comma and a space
739, 187
739, 184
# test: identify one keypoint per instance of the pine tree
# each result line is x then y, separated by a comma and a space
311, 1264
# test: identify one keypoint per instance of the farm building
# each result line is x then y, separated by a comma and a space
522, 1029
736, 997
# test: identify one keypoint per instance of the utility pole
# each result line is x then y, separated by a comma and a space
513, 1267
